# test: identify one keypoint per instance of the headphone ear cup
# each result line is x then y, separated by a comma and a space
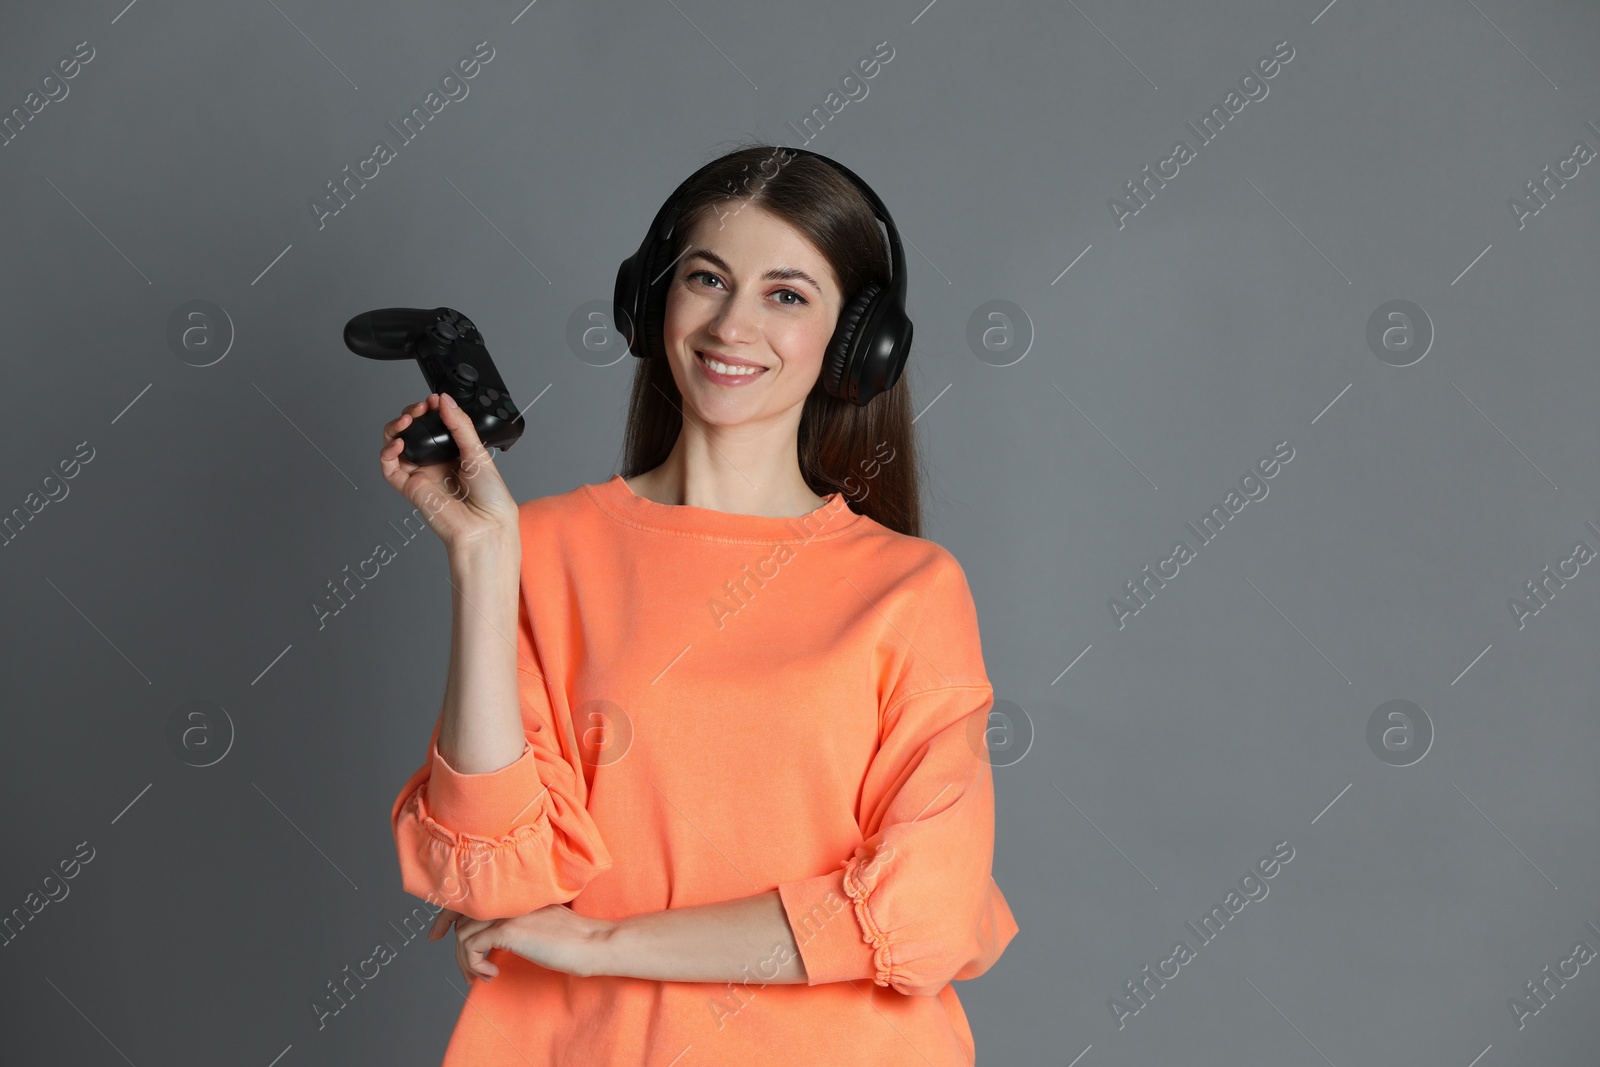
883, 351
898, 366
651, 331
653, 304
624, 300
844, 351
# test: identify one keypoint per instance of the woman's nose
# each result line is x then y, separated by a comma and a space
734, 322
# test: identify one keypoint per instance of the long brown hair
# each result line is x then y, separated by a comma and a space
866, 454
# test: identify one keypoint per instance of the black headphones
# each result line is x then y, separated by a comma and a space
870, 343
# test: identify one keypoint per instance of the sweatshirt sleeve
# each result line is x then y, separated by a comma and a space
510, 841
923, 908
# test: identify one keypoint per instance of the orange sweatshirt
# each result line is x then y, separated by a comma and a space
717, 705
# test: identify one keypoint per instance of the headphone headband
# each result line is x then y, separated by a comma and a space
870, 343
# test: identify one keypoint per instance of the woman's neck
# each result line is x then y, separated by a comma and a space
775, 489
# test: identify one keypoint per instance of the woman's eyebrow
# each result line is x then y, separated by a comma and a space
776, 273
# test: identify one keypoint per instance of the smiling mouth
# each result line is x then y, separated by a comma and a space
734, 370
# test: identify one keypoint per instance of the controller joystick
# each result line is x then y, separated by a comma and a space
451, 353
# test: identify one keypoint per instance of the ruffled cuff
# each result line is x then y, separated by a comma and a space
859, 890
484, 805
834, 927
495, 845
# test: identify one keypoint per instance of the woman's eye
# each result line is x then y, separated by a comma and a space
710, 278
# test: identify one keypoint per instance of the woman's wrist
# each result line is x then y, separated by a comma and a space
606, 949
496, 553
612, 952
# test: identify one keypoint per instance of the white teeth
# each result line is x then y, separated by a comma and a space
724, 368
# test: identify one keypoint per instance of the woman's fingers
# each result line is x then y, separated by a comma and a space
442, 922
392, 428
441, 925
391, 456
476, 939
488, 493
473, 451
479, 505
469, 959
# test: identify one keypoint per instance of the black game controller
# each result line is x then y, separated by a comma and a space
450, 351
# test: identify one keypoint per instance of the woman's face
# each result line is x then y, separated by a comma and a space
749, 290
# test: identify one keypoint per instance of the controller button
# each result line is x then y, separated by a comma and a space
445, 331
492, 394
466, 372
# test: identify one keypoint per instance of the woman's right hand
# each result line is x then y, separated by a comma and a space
464, 500
470, 962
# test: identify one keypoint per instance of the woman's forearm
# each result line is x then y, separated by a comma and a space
748, 939
481, 723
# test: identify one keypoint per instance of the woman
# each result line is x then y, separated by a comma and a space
723, 798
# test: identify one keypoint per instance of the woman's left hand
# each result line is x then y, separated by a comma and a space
555, 937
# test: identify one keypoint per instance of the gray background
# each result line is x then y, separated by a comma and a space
1228, 315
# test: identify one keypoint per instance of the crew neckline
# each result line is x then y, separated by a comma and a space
616, 497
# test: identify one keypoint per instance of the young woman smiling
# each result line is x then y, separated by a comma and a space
662, 830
